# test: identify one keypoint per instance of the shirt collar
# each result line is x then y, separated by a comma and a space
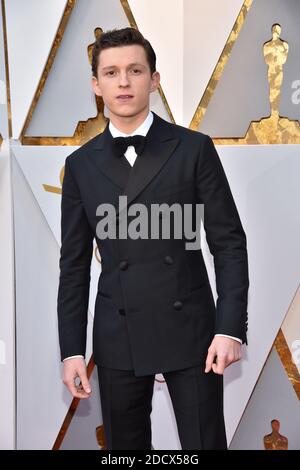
141, 130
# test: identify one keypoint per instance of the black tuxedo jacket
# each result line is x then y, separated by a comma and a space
154, 309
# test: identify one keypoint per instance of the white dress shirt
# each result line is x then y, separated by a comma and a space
131, 155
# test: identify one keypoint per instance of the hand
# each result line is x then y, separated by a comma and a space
227, 351
74, 368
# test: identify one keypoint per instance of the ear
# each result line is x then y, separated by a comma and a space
96, 86
155, 79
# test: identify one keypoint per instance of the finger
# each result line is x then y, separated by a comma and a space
80, 393
219, 367
209, 361
85, 382
233, 358
238, 355
73, 389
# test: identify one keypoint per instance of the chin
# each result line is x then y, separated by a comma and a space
125, 112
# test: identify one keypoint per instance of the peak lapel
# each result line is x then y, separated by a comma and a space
115, 168
160, 145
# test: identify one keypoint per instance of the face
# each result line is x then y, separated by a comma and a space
275, 425
276, 29
124, 80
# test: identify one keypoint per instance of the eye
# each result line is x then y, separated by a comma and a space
110, 73
136, 71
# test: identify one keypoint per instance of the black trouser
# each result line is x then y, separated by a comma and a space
197, 399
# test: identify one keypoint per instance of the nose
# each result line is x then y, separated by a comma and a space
123, 79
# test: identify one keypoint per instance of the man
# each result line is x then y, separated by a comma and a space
154, 310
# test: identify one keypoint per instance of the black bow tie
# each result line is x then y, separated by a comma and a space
122, 143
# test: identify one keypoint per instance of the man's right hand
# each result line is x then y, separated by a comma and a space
76, 368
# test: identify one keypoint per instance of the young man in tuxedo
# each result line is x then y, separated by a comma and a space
154, 310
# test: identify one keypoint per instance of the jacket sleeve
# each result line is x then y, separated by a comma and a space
75, 261
227, 243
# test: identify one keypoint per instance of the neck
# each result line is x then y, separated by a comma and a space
128, 124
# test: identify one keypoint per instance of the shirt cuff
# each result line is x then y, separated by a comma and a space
71, 357
232, 337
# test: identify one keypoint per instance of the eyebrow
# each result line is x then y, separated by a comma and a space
130, 65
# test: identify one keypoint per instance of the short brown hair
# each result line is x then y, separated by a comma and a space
119, 38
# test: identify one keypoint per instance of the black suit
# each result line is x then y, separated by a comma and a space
154, 309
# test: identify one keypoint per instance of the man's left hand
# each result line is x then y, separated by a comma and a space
226, 351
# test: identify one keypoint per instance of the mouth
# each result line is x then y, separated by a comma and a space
124, 97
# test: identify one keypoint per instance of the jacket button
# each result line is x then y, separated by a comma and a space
168, 259
178, 305
124, 265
